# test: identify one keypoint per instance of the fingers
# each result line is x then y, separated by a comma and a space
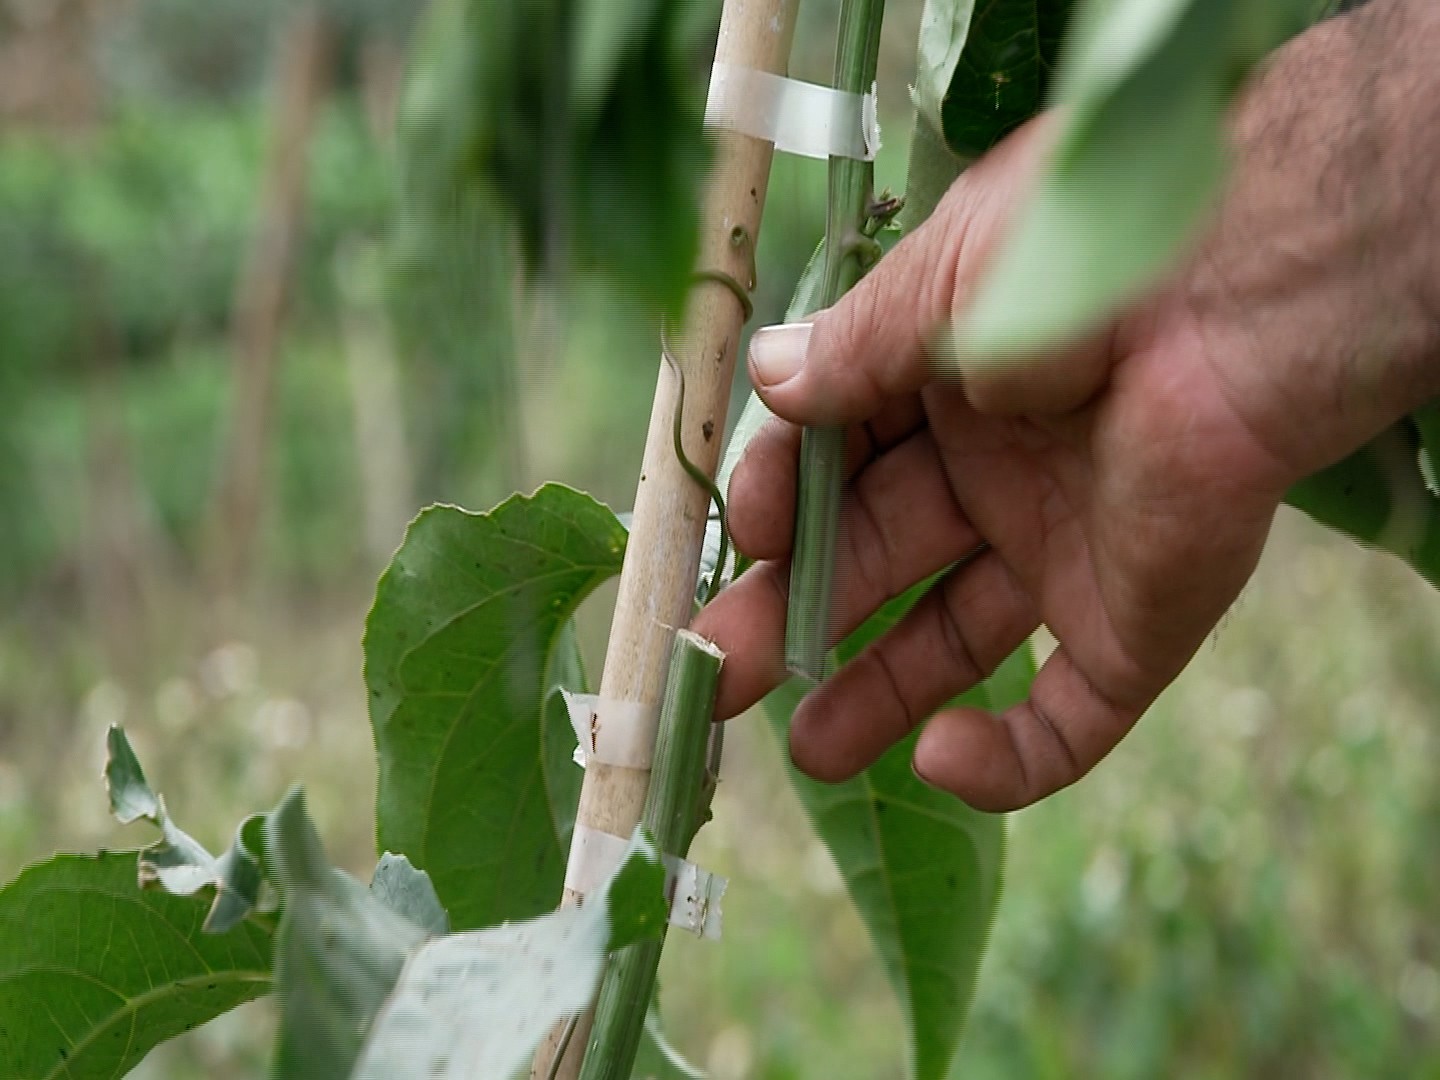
747, 622
761, 499
954, 638
1030, 751
1039, 385
899, 525
871, 346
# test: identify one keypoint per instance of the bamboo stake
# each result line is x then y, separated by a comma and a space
301, 82
662, 559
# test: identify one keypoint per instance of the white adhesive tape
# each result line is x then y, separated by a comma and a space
612, 732
694, 893
798, 117
695, 896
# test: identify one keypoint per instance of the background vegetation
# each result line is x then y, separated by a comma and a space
1245, 889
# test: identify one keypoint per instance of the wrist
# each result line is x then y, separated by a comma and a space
1319, 290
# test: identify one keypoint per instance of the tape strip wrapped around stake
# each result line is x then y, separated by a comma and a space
612, 732
694, 893
798, 117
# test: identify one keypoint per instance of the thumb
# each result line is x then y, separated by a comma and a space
872, 345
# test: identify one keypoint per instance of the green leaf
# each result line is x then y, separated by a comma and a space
808, 296
752, 419
582, 120
981, 73
407, 891
131, 797
338, 952
450, 295
458, 659
635, 895
606, 31
1137, 162
1426, 421
240, 885
478, 1004
641, 160
922, 868
176, 862
1378, 496
94, 972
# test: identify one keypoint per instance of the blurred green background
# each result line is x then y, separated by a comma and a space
228, 376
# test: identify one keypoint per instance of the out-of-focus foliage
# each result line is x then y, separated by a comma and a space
578, 124
1381, 495
157, 51
1137, 160
132, 240
118, 259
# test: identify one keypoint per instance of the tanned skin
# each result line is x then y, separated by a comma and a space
1121, 493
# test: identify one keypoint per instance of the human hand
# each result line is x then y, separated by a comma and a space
1119, 493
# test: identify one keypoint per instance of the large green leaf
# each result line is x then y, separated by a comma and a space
922, 868
477, 1004
983, 69
458, 661
94, 972
1137, 162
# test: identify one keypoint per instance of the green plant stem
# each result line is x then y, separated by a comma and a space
808, 627
675, 807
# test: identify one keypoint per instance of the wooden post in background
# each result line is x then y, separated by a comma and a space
301, 79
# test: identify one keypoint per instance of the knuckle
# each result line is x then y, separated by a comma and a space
871, 554
957, 646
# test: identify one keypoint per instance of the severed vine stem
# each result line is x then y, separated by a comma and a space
662, 558
808, 625
674, 810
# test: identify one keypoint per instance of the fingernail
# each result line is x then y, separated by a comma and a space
777, 352
916, 771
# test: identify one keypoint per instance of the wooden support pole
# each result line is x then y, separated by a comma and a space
662, 560
301, 81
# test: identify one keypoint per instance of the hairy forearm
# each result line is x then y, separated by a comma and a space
1319, 289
